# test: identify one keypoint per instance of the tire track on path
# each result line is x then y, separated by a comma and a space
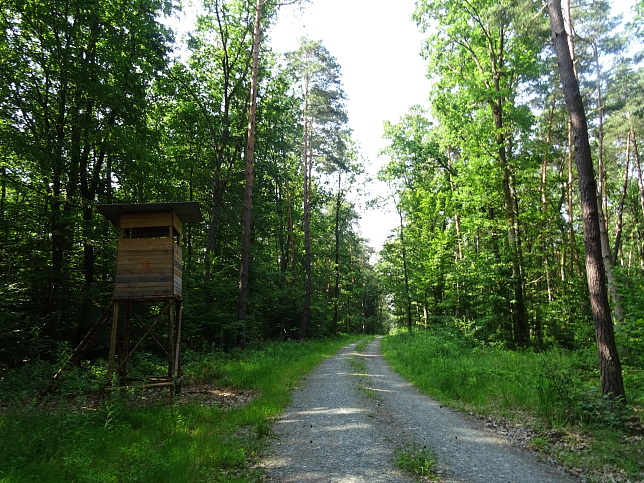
333, 433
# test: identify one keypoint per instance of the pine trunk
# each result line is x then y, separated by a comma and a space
619, 224
610, 367
242, 307
306, 310
336, 288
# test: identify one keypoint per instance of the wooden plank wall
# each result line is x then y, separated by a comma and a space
151, 220
148, 268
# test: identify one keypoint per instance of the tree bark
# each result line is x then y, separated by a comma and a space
638, 164
640, 184
609, 364
242, 307
307, 163
519, 314
572, 241
457, 218
291, 233
571, 225
543, 189
336, 268
609, 261
405, 270
224, 159
620, 207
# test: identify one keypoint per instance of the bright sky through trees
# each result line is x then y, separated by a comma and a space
377, 45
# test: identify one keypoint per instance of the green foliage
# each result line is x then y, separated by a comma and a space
560, 386
630, 333
143, 436
92, 111
569, 396
72, 124
551, 391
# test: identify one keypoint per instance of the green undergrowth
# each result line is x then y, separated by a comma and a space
553, 395
132, 435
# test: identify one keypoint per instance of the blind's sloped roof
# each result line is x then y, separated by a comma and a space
187, 211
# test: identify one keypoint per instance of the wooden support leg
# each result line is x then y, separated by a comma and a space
171, 337
125, 342
176, 386
177, 353
147, 334
113, 340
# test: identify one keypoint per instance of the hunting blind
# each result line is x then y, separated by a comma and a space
147, 289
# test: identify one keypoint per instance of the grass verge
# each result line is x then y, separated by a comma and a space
551, 398
359, 366
362, 345
141, 436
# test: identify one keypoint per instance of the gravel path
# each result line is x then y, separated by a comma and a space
345, 423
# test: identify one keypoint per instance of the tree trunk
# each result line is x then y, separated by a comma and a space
291, 233
572, 256
336, 269
405, 271
220, 132
543, 189
620, 208
242, 307
609, 261
609, 364
3, 218
638, 164
640, 184
613, 290
457, 218
519, 314
571, 226
307, 162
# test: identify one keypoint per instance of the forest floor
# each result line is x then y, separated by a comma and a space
355, 420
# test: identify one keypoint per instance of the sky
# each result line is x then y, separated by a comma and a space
377, 45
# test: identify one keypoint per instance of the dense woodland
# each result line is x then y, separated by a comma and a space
100, 102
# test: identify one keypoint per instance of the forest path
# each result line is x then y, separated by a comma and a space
348, 418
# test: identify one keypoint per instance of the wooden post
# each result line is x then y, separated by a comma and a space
177, 353
125, 341
113, 338
171, 338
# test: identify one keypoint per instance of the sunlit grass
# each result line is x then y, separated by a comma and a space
126, 439
549, 390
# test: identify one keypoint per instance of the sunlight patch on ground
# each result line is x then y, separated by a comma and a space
333, 411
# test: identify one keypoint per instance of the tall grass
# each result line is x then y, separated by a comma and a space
128, 439
555, 389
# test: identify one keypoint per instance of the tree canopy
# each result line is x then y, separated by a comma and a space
100, 103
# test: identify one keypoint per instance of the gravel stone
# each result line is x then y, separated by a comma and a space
344, 426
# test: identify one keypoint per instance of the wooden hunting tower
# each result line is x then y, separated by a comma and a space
149, 272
